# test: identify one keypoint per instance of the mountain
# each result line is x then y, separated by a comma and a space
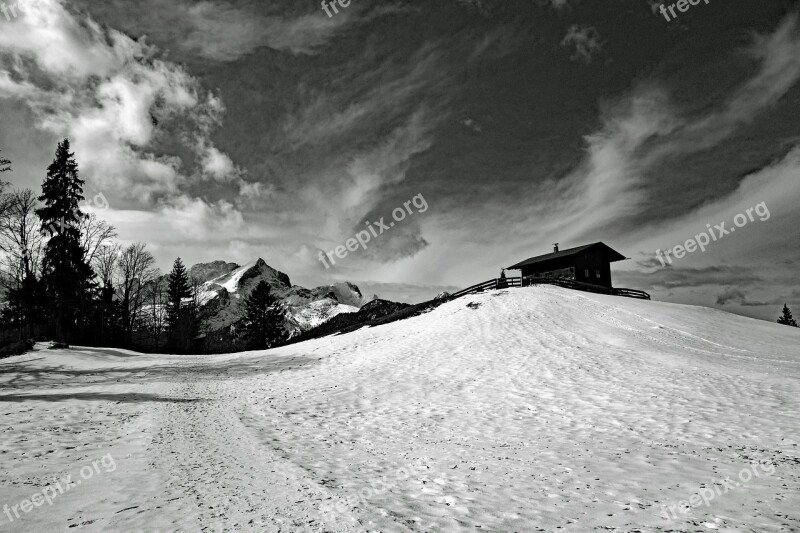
208, 271
368, 315
226, 285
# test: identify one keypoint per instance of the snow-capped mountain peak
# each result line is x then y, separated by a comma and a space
222, 296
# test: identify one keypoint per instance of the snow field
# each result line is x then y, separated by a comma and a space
529, 410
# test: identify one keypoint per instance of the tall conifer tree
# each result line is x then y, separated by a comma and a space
180, 317
177, 290
66, 276
263, 319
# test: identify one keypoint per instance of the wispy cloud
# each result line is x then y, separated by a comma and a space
585, 40
645, 128
731, 294
222, 32
675, 277
558, 5
778, 55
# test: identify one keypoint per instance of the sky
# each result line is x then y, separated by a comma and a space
267, 129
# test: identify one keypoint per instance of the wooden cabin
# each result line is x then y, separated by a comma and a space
585, 264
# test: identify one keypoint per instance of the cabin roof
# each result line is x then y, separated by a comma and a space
613, 255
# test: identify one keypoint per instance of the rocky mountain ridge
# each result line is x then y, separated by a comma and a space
225, 286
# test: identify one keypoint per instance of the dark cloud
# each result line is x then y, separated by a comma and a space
677, 277
732, 295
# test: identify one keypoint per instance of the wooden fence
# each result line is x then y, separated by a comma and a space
502, 283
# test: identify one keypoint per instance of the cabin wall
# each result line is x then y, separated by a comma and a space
593, 267
550, 268
589, 267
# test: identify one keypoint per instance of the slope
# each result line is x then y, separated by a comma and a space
518, 410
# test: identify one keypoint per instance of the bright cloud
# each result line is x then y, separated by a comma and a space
114, 99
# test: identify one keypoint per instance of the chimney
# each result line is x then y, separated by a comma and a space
555, 247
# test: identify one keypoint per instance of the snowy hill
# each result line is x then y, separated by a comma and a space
226, 284
529, 409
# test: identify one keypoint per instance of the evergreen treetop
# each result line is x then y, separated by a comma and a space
178, 283
62, 192
786, 319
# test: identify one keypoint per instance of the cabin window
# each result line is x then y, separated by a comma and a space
597, 273
586, 273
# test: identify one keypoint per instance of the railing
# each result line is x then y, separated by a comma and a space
502, 283
631, 293
490, 285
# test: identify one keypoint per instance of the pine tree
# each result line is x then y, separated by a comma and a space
66, 276
177, 290
178, 322
263, 319
787, 319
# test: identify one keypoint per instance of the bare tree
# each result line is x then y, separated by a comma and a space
105, 263
20, 238
4, 200
157, 308
105, 266
196, 286
95, 234
136, 270
5, 166
21, 245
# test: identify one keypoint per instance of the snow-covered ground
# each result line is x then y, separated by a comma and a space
535, 409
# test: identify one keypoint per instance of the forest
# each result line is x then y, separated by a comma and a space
64, 277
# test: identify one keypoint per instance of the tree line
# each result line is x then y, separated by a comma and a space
65, 278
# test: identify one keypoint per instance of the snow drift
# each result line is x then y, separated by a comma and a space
516, 410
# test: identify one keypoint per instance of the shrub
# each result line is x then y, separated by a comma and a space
12, 348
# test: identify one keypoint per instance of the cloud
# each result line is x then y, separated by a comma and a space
739, 297
558, 5
472, 124
380, 94
364, 141
200, 230
222, 32
183, 220
484, 7
778, 56
586, 41
682, 277
775, 186
643, 130
216, 164
254, 191
118, 103
479, 6
404, 292
386, 164
361, 193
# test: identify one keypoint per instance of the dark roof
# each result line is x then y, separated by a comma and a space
612, 254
